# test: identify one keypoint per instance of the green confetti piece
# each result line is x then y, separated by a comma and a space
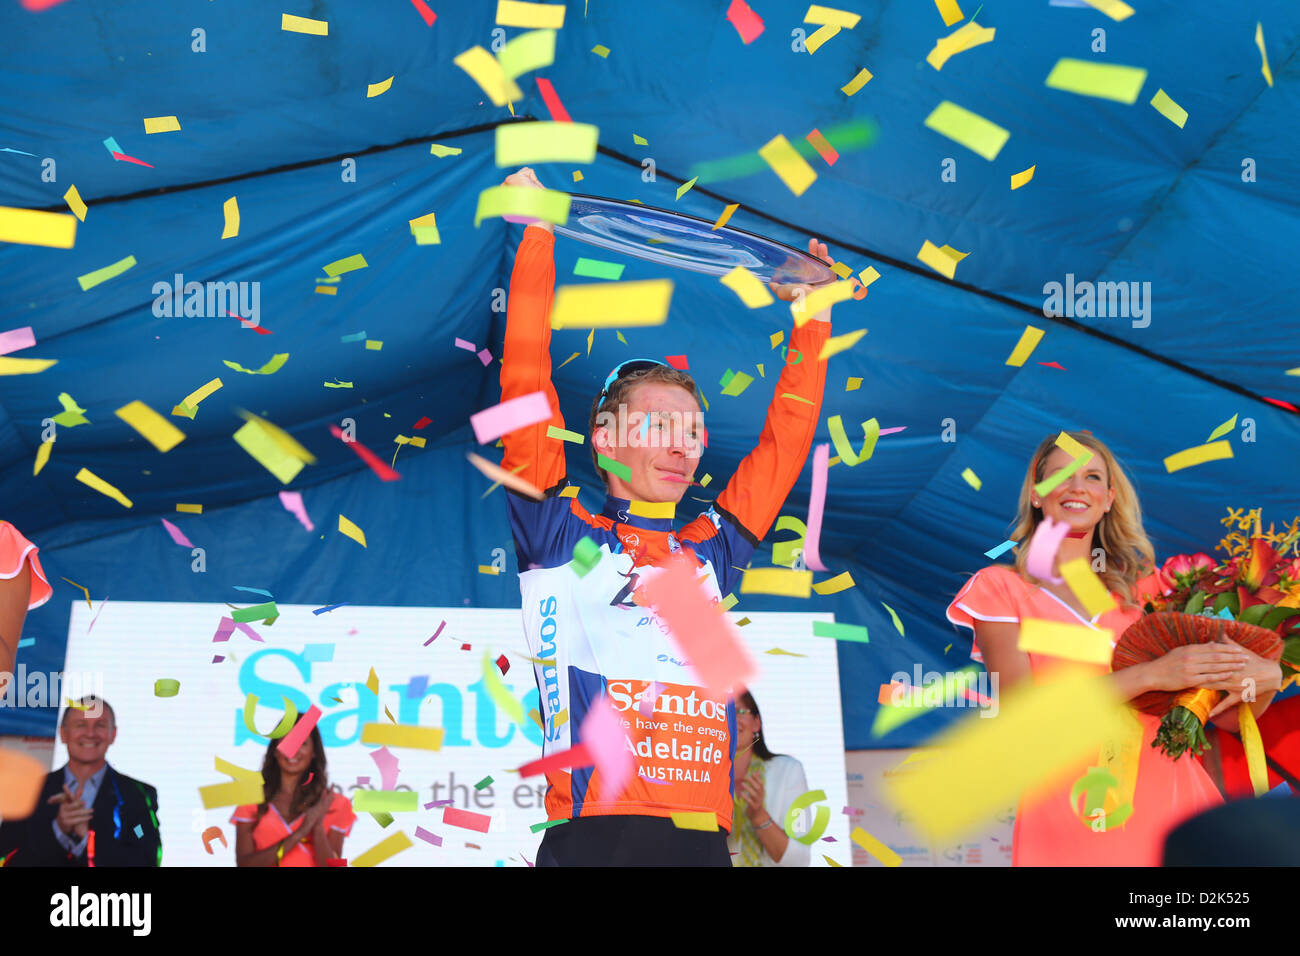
564, 434
640, 140
614, 467
270, 368
619, 336
351, 263
685, 187
897, 623
738, 383
385, 801
166, 687
546, 825
1223, 429
973, 479
797, 398
92, 279
586, 555
840, 632
384, 819
726, 378
485, 782
72, 413
596, 269
870, 431
258, 612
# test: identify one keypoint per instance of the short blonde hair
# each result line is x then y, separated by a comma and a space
1120, 535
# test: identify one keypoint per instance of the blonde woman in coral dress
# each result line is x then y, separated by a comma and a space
1101, 507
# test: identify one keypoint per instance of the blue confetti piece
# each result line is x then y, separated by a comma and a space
111, 145
254, 591
357, 337
1225, 614
1001, 549
1281, 790
139, 831
325, 610
415, 690
317, 653
26, 642
18, 151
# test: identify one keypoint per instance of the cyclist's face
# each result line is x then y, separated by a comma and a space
660, 443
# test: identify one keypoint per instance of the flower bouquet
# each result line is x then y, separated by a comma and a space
1252, 597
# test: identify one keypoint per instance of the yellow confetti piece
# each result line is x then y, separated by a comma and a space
1029, 340
933, 257
737, 384
577, 175
81, 588
820, 299
684, 820
777, 581
374, 345
535, 16
230, 210
92, 279
793, 170
980, 136
348, 264
487, 569
759, 366
704, 482
653, 509
747, 286
190, 509
1115, 9
893, 615
441, 151
853, 384
518, 144
726, 214
858, 82
685, 187
1223, 429
1263, 53
326, 290
776, 338
640, 140
1253, 744
42, 456
24, 366
609, 304
1198, 455
815, 41
73, 199
484, 69
528, 51
189, 405
841, 582
979, 767
972, 479
383, 850
841, 270
830, 862
1073, 642
830, 16
949, 10
600, 50
402, 735
272, 366
840, 439
959, 41
372, 682
161, 124
562, 717
266, 451
868, 275
161, 433
1022, 177
380, 88
500, 694
1169, 109
1087, 587
425, 230
88, 477
352, 531
545, 204
840, 343
778, 652
873, 846
1104, 80
292, 24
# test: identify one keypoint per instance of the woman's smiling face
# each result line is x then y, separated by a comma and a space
1080, 500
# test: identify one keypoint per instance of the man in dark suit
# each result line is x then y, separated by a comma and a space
88, 813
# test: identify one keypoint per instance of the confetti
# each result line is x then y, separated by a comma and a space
292, 24
777, 581
352, 531
968, 129
545, 141
792, 169
726, 215
166, 687
612, 304
747, 23
544, 16
292, 501
1115, 9
429, 16
466, 819
1198, 455
841, 632
176, 534
1019, 179
509, 416
380, 88
873, 846
971, 478
524, 203
56, 230
960, 40
440, 151
161, 124
595, 269
503, 477
841, 582
92, 279
1263, 53
385, 801
87, 477
1074, 642
273, 365
949, 10
685, 820
1104, 80
1169, 109
753, 293
858, 82
1000, 550
384, 849
840, 343
1029, 340
161, 433
870, 431
555, 108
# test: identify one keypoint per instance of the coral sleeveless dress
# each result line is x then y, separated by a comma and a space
15, 551
1047, 831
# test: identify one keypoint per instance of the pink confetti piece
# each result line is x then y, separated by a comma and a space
386, 761
177, 535
491, 423
291, 741
708, 639
747, 23
249, 632
429, 17
131, 159
485, 357
552, 100
224, 630
217, 658
1043, 547
428, 837
573, 757
890, 431
16, 339
525, 859
466, 819
366, 455
467, 346
97, 613
602, 732
435, 634
292, 501
816, 506
363, 781
648, 697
